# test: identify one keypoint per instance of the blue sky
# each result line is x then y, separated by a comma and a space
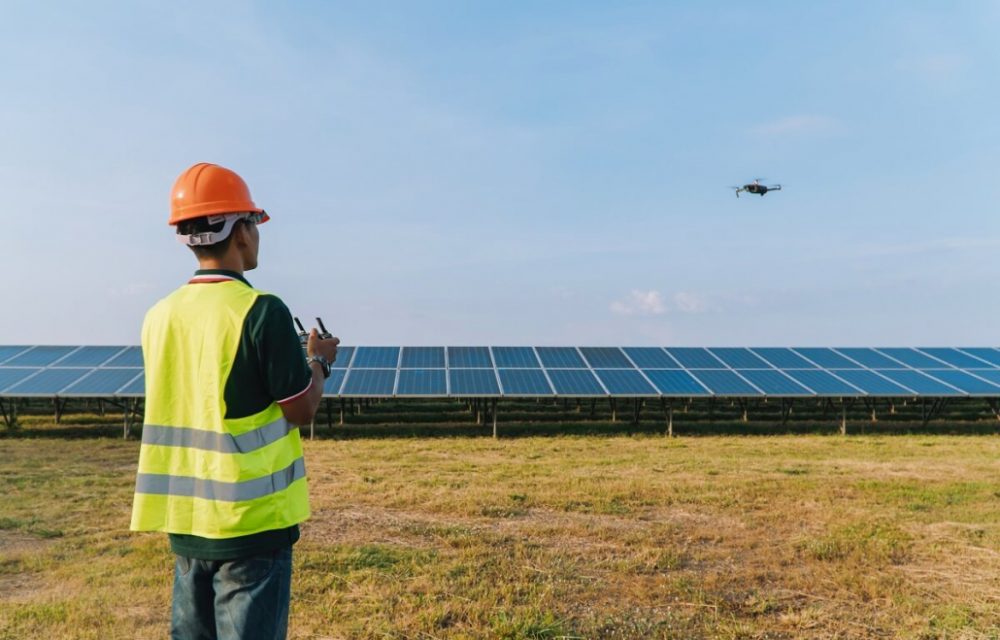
516, 173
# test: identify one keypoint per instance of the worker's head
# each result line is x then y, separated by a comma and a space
215, 216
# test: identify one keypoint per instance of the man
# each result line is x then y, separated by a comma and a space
221, 467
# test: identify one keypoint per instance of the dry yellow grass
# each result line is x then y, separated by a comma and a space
556, 537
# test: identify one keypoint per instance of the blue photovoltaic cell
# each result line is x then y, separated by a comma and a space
774, 382
827, 358
376, 358
606, 358
870, 358
575, 382
515, 357
872, 383
10, 377
993, 375
527, 382
332, 385
625, 382
473, 382
675, 382
913, 358
695, 358
783, 358
369, 382
560, 358
919, 382
89, 356
39, 357
101, 382
8, 352
135, 388
343, 357
956, 358
423, 358
421, 382
823, 383
131, 357
723, 382
739, 358
965, 382
651, 358
48, 382
989, 355
469, 357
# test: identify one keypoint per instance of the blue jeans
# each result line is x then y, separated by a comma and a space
246, 598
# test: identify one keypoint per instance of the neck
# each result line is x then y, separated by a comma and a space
228, 262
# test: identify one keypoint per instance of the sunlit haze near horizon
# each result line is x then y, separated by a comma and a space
453, 173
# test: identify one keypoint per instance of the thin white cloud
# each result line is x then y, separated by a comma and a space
798, 125
638, 302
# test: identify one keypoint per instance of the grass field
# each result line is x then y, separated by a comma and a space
589, 536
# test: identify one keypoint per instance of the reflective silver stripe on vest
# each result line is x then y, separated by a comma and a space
213, 440
162, 484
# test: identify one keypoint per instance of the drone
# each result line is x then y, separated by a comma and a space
756, 187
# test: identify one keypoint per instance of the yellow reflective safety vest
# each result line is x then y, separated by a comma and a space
199, 472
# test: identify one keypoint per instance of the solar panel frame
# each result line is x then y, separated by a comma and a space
606, 358
577, 383
369, 383
469, 382
376, 358
560, 358
469, 358
422, 358
415, 383
676, 383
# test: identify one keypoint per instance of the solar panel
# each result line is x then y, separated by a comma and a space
39, 356
827, 358
524, 382
423, 358
469, 357
783, 358
101, 382
422, 382
823, 382
991, 375
369, 382
967, 382
919, 383
871, 358
723, 382
695, 358
956, 358
739, 358
913, 358
48, 382
675, 382
8, 352
331, 387
774, 382
9, 377
560, 358
473, 382
625, 382
131, 357
605, 358
89, 356
872, 383
343, 357
376, 357
651, 358
575, 382
515, 357
989, 355
135, 388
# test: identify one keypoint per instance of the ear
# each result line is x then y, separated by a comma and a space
240, 232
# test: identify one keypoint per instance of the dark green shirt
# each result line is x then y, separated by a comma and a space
269, 367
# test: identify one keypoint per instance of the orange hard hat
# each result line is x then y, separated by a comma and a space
208, 189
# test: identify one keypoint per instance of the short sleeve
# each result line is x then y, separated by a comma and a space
275, 343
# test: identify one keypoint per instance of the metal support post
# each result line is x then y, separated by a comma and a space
614, 409
843, 418
493, 408
342, 403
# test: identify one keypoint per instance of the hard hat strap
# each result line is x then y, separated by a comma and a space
207, 238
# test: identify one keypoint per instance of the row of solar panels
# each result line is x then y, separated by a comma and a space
100, 371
